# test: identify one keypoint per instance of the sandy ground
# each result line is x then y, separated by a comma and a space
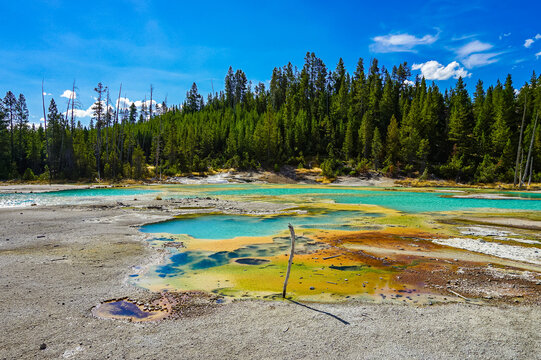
57, 263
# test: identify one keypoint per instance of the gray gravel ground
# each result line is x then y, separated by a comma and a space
61, 261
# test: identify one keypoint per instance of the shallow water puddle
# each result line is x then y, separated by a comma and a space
132, 311
164, 305
219, 226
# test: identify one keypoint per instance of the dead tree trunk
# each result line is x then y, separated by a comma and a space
98, 112
150, 107
531, 170
118, 159
46, 138
530, 149
520, 142
290, 262
107, 123
72, 123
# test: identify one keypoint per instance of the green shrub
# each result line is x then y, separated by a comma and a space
329, 167
29, 175
363, 166
44, 176
424, 176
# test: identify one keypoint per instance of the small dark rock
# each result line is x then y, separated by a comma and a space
43, 346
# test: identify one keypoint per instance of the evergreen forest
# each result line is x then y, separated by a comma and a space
374, 119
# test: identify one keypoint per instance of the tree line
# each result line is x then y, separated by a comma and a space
372, 119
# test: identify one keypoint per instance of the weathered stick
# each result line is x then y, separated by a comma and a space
292, 232
457, 294
331, 257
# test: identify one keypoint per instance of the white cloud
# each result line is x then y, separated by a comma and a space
482, 59
529, 42
123, 102
400, 42
139, 103
68, 94
433, 70
409, 82
47, 94
473, 54
463, 37
81, 113
473, 47
538, 54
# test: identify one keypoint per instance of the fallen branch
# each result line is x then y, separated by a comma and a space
457, 294
331, 257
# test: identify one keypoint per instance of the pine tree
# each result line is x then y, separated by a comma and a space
461, 119
392, 142
230, 87
193, 100
132, 117
4, 144
54, 133
10, 103
98, 115
365, 136
22, 123
377, 149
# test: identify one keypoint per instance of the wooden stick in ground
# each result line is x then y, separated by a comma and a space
292, 232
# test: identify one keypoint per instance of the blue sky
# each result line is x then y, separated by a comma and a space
172, 44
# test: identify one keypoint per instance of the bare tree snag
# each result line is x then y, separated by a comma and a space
150, 107
292, 233
529, 157
531, 170
45, 123
520, 142
72, 97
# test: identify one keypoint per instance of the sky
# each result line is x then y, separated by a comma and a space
173, 44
